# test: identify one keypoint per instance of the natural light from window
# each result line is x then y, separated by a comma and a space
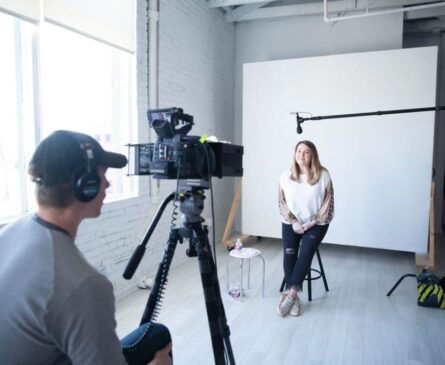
87, 86
80, 84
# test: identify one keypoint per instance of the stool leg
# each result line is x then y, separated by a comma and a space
241, 277
248, 274
322, 271
227, 274
264, 272
309, 286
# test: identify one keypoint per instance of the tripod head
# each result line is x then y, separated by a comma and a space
191, 199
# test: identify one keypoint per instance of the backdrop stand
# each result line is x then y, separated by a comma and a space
427, 261
229, 238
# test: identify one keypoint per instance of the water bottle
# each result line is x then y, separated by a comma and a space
238, 244
234, 291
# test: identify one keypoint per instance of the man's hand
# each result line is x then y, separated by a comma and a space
307, 226
297, 227
162, 356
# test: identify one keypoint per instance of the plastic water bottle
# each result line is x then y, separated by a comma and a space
234, 291
238, 244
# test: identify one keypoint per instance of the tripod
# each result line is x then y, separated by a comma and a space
191, 204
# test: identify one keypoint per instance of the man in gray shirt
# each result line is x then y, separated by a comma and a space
55, 308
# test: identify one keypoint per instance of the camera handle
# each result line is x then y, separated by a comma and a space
191, 205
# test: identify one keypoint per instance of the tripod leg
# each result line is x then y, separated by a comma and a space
152, 307
219, 330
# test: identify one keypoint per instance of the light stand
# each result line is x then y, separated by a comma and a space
398, 282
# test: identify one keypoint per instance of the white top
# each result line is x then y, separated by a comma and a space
302, 199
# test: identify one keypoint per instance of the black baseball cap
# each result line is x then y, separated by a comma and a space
61, 155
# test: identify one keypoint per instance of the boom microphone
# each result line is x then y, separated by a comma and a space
299, 121
398, 111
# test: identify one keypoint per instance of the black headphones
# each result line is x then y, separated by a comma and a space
86, 181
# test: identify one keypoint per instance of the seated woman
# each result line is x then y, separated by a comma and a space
306, 201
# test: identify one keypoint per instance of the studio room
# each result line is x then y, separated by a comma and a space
222, 181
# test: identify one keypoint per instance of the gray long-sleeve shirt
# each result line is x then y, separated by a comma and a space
55, 308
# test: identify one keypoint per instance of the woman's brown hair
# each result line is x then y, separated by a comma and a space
315, 167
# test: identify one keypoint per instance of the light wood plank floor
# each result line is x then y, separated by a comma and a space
354, 323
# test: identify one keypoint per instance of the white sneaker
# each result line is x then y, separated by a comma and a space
285, 304
296, 308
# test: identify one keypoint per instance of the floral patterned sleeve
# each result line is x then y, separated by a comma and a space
326, 212
286, 214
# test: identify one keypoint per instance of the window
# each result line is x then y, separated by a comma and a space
83, 85
87, 86
15, 113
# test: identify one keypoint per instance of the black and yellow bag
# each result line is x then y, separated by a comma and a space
430, 290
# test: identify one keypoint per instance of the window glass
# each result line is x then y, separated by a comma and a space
52, 78
15, 113
87, 86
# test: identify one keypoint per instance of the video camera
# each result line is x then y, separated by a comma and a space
178, 156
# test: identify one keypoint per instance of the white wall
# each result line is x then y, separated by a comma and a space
196, 72
196, 50
295, 37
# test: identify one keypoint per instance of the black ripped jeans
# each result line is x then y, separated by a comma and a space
299, 249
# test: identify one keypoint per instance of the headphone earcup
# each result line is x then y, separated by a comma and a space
86, 187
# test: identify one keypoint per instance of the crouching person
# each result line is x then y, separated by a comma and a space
55, 308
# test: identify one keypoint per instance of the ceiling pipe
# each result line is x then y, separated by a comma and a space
328, 19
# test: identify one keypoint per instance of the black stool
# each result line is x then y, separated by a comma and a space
309, 278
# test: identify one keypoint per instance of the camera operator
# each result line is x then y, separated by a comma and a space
55, 308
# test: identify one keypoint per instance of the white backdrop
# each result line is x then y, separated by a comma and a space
381, 166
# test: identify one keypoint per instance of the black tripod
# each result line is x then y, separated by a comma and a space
191, 204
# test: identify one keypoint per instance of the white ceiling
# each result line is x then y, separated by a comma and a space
242, 10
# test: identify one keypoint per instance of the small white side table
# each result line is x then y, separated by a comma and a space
245, 253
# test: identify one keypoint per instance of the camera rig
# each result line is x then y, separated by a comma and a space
192, 162
175, 155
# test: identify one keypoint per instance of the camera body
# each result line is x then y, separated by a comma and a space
175, 155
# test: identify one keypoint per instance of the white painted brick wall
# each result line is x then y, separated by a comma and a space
196, 50
197, 60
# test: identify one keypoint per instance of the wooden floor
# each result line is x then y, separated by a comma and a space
354, 323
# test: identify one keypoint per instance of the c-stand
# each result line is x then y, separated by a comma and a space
191, 204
